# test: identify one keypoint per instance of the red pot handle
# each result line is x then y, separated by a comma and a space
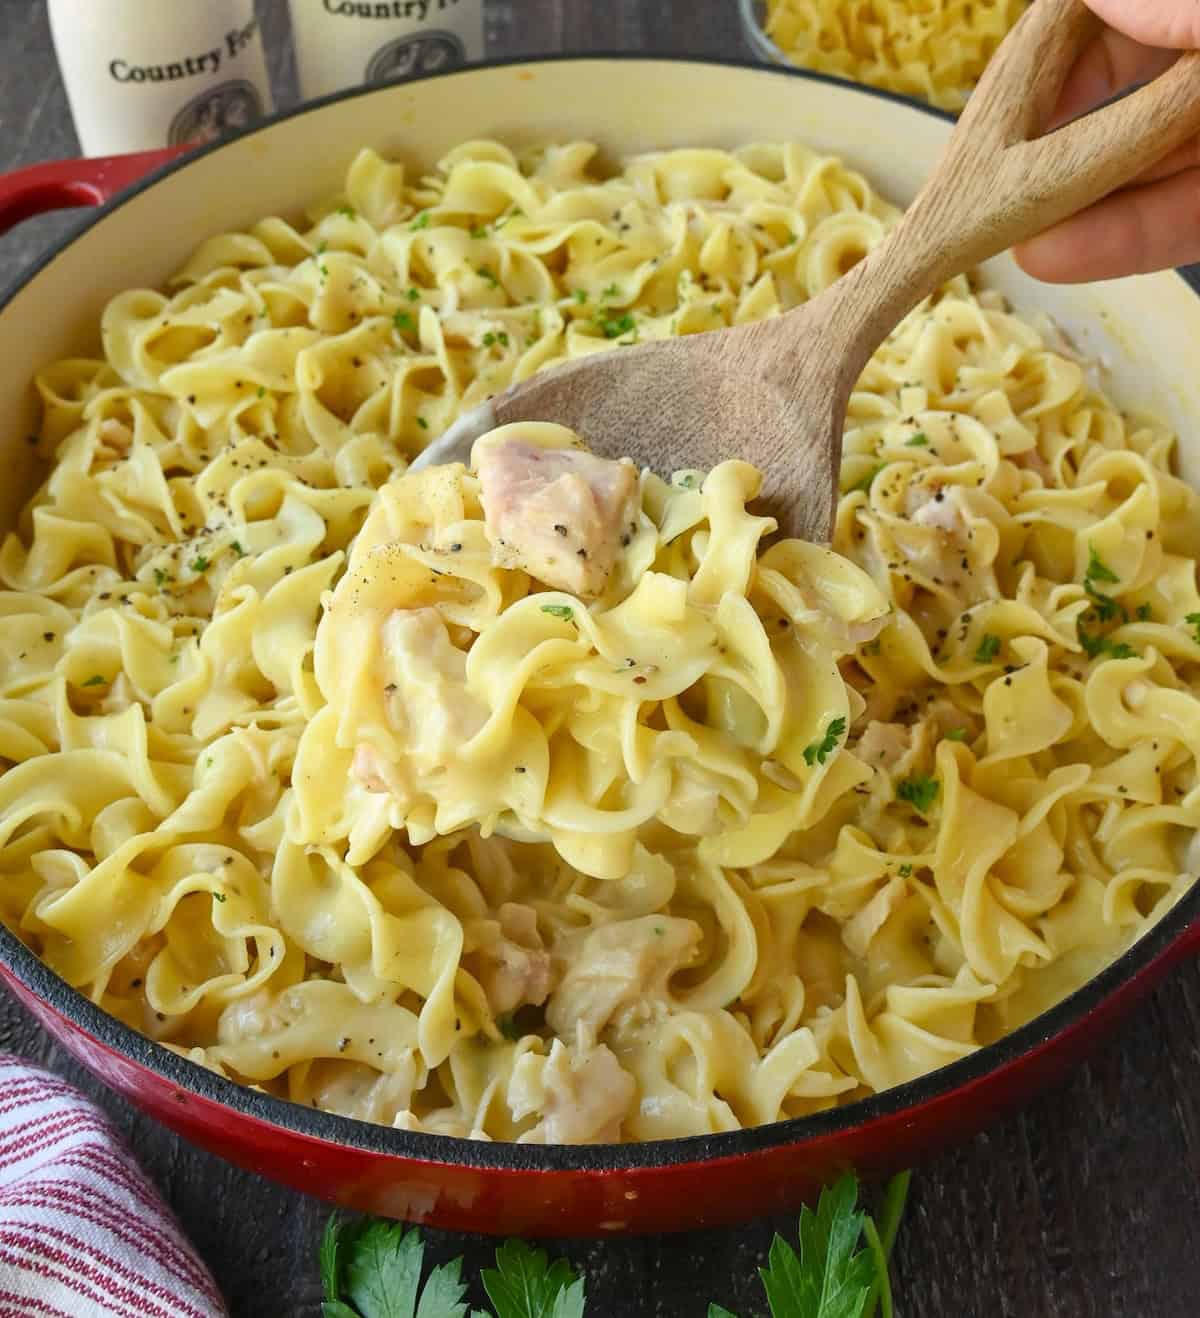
64, 183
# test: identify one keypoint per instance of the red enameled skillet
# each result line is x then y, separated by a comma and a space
626, 103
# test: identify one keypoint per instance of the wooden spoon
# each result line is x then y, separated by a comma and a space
776, 392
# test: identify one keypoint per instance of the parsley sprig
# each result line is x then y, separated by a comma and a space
373, 1269
919, 791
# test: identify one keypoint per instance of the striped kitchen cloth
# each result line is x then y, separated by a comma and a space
83, 1234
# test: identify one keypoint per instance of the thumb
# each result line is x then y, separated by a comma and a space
1174, 24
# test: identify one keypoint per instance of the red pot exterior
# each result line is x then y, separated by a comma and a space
593, 1198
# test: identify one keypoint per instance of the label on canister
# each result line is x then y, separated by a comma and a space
345, 43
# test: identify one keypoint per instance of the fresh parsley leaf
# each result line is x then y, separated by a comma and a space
1146, 614
95, 680
199, 564
330, 1257
421, 222
989, 648
686, 480
413, 295
1098, 570
867, 481
237, 548
1107, 608
919, 791
348, 211
488, 339
832, 1277
905, 871
1193, 620
716, 1311
402, 320
956, 734
818, 751
375, 1271
503, 339
613, 327
525, 1284
563, 611
479, 231
422, 423
262, 393
160, 577
919, 440
610, 292
485, 273
220, 897
581, 295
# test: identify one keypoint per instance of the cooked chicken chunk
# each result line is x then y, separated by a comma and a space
514, 968
581, 1094
618, 965
558, 514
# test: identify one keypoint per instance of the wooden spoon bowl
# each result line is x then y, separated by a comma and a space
775, 392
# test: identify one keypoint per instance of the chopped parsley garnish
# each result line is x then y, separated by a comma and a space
219, 897
501, 338
1098, 570
402, 320
348, 211
96, 680
989, 648
479, 231
508, 1027
237, 548
865, 483
1146, 614
199, 564
485, 273
488, 339
581, 295
421, 222
1193, 621
262, 393
324, 270
322, 247
905, 871
612, 327
919, 791
817, 752
1096, 645
160, 577
687, 480
956, 734
563, 611
422, 423
413, 295
610, 292
919, 440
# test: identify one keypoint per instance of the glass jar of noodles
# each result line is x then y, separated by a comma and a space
345, 43
142, 74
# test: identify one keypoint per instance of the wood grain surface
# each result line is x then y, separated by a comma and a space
1086, 1206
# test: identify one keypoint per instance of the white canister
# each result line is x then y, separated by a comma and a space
344, 43
143, 73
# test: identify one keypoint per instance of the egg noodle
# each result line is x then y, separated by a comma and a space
307, 780
934, 49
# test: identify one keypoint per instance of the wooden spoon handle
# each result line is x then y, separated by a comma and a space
998, 184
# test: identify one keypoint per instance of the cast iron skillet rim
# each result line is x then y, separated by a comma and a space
192, 1078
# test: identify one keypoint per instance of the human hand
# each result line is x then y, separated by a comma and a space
1154, 223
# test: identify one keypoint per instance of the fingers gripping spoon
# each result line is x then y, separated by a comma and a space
775, 392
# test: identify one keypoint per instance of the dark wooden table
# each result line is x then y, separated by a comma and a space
1086, 1205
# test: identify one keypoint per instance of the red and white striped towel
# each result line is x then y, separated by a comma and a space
83, 1234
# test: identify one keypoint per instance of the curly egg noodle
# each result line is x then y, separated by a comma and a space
934, 49
307, 780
